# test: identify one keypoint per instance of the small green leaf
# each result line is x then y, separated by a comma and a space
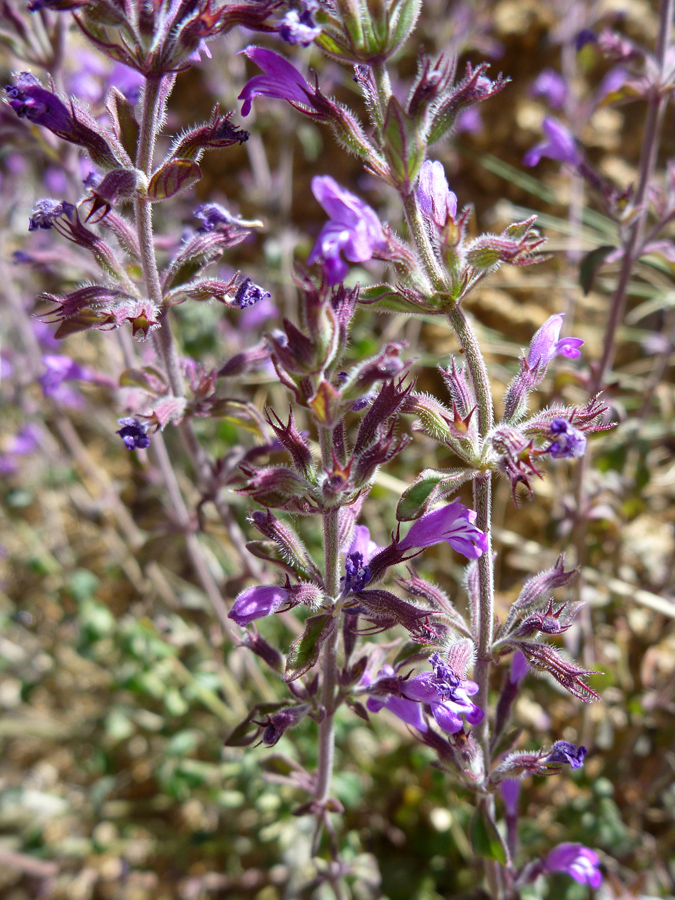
431, 485
485, 838
172, 177
590, 264
305, 650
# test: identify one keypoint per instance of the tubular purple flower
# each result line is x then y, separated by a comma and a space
134, 434
519, 667
550, 85
249, 293
546, 343
360, 552
353, 229
435, 198
258, 601
281, 80
510, 788
577, 861
566, 753
453, 523
560, 145
443, 691
30, 100
569, 441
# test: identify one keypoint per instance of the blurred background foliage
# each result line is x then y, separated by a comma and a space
117, 685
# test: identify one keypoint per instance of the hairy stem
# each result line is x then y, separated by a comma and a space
329, 666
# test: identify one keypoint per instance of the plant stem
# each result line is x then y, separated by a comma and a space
636, 230
329, 667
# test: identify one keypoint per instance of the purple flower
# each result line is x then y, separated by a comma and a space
248, 294
560, 145
613, 81
360, 552
60, 369
443, 691
30, 100
213, 215
575, 860
453, 523
565, 753
353, 229
281, 80
47, 211
299, 27
258, 601
546, 343
23, 443
510, 788
519, 667
469, 121
550, 85
134, 434
435, 198
570, 442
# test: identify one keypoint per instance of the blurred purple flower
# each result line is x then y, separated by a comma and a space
453, 523
559, 145
55, 180
443, 691
551, 86
510, 788
134, 434
253, 317
469, 121
577, 861
24, 443
569, 443
546, 343
585, 36
435, 198
59, 369
353, 229
613, 81
281, 80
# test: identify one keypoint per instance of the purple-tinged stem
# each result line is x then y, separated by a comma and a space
636, 230
329, 667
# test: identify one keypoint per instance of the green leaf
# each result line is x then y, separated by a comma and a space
172, 177
305, 650
590, 264
431, 485
485, 838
